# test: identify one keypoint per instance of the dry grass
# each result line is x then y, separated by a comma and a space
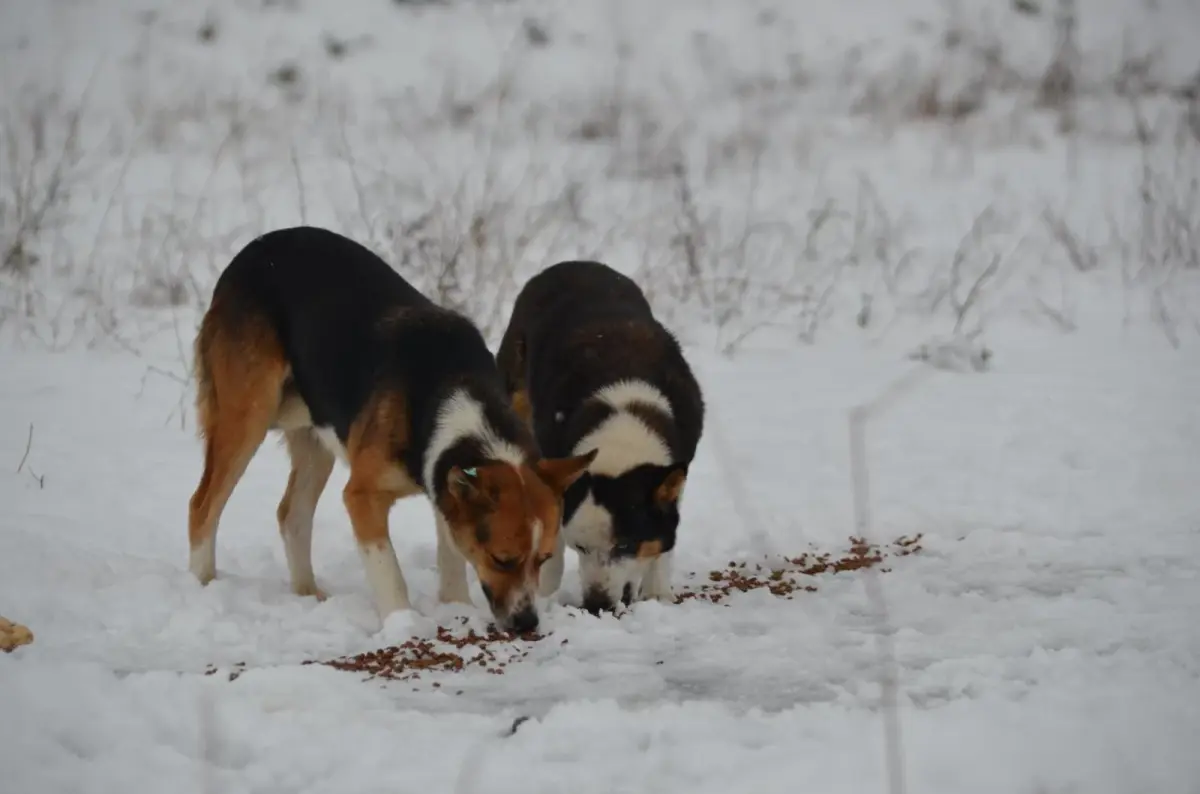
695, 211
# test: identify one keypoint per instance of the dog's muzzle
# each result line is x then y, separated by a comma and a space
597, 599
521, 618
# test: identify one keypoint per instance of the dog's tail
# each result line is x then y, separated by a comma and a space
206, 395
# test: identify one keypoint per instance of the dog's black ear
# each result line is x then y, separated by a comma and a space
670, 487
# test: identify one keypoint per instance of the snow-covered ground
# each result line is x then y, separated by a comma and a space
810, 191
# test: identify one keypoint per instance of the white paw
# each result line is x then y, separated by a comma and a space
203, 571
657, 591
305, 589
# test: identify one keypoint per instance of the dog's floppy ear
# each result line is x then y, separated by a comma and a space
559, 473
670, 488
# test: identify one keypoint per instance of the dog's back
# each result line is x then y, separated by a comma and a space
578, 327
329, 301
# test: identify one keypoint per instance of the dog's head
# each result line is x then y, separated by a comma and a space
505, 520
618, 525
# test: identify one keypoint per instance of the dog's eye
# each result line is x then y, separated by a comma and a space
626, 548
505, 563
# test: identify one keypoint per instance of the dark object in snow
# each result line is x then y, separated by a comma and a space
516, 724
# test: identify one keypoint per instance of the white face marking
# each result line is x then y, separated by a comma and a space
536, 526
459, 417
590, 527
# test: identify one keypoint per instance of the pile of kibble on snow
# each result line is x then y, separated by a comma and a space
496, 650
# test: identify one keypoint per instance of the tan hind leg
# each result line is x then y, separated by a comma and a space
311, 466
242, 375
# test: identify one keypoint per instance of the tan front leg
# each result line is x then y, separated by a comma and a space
368, 509
377, 480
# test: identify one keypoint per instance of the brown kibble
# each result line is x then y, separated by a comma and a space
411, 658
783, 580
781, 577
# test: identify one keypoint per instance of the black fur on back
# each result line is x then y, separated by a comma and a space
351, 326
579, 326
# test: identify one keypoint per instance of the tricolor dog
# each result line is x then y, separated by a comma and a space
593, 372
311, 334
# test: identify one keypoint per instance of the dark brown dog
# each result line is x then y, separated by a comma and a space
588, 365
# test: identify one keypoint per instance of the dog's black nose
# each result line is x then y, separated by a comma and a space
596, 601
524, 621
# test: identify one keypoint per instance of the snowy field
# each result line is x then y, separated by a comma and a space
811, 192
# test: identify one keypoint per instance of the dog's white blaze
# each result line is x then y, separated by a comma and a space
459, 417
537, 528
328, 438
620, 394
384, 577
590, 527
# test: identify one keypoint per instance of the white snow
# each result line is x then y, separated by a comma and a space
1045, 638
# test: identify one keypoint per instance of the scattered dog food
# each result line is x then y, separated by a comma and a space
238, 669
409, 659
494, 651
787, 576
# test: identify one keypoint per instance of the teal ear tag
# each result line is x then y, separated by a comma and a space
471, 472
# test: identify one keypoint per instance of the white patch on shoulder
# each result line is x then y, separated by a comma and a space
459, 417
328, 438
620, 394
623, 440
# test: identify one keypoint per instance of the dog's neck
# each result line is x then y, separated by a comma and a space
463, 437
630, 423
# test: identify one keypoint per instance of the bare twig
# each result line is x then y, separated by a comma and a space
1080, 255
691, 236
301, 196
28, 446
